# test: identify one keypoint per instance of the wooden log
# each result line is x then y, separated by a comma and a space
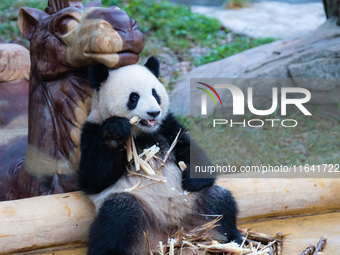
44, 221
266, 197
37, 222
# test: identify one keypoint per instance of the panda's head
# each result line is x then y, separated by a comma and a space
129, 91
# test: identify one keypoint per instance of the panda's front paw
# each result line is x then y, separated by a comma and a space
195, 184
116, 130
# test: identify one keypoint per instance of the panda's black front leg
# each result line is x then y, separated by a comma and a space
188, 152
116, 131
103, 159
191, 180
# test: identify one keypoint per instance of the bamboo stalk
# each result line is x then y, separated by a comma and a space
309, 250
135, 155
182, 165
172, 247
135, 120
321, 245
146, 167
172, 146
129, 149
155, 149
279, 244
161, 248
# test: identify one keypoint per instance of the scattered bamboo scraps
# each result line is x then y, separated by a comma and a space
146, 167
321, 244
135, 156
148, 154
309, 250
133, 187
182, 165
279, 245
150, 177
172, 146
129, 149
198, 239
312, 250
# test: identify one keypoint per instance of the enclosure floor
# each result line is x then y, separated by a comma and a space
302, 230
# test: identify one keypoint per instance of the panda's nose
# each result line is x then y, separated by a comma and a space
154, 114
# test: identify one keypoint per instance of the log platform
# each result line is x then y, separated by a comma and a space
304, 208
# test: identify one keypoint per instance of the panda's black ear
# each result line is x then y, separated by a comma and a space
97, 73
153, 65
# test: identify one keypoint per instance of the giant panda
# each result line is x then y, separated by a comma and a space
123, 216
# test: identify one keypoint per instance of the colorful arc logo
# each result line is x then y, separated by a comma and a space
209, 93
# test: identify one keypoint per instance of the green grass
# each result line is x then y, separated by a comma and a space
241, 43
165, 25
177, 28
315, 140
9, 10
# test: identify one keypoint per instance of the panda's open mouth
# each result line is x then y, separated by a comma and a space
148, 123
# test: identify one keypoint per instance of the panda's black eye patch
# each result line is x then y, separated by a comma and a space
134, 97
133, 101
158, 99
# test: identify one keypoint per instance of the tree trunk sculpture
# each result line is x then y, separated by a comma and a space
64, 41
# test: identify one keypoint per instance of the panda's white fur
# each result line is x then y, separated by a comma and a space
159, 208
168, 199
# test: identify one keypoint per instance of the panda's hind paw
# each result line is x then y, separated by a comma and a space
116, 128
